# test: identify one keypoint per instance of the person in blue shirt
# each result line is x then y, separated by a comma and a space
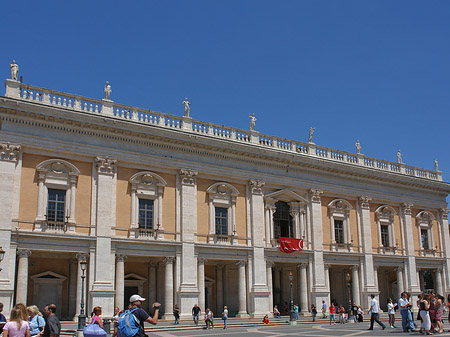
2, 317
35, 320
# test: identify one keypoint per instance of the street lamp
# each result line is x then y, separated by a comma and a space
2, 255
347, 278
292, 321
82, 316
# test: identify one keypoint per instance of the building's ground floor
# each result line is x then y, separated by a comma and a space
47, 270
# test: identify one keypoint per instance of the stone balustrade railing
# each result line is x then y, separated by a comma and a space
15, 89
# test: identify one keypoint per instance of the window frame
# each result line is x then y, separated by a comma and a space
339, 209
424, 221
385, 215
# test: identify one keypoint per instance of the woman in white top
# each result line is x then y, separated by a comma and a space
391, 312
16, 327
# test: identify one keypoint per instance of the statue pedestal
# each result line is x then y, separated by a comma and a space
107, 107
12, 88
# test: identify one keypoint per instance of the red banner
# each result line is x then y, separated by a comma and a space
289, 245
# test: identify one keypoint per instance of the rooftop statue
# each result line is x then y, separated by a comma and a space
358, 147
14, 70
252, 121
311, 134
186, 104
436, 165
107, 90
399, 157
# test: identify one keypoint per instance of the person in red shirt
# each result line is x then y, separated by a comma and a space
341, 311
332, 313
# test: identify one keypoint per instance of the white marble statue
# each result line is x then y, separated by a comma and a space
187, 109
399, 157
358, 147
14, 70
311, 134
436, 165
107, 90
252, 121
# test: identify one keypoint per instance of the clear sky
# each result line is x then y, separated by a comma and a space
377, 71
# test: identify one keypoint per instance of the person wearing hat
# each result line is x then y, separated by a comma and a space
141, 314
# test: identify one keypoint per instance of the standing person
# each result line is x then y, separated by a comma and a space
17, 326
313, 312
116, 324
355, 313
296, 312
324, 310
52, 326
341, 312
195, 313
225, 316
404, 306
208, 320
2, 317
176, 314
360, 314
96, 313
141, 314
332, 313
424, 306
211, 318
23, 310
35, 320
439, 307
374, 311
116, 314
391, 312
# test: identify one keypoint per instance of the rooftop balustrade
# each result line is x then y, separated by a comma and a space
105, 107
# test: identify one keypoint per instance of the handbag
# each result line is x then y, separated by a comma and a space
93, 330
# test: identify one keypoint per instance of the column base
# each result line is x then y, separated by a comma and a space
243, 315
259, 301
187, 297
292, 322
103, 298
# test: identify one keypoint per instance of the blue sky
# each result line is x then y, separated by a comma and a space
377, 71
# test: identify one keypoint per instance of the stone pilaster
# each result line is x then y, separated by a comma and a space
319, 291
443, 223
188, 291
412, 281
259, 294
10, 171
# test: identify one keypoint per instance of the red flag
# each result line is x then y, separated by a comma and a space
289, 245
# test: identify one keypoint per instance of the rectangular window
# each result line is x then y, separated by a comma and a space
56, 205
425, 238
221, 221
385, 235
146, 213
339, 231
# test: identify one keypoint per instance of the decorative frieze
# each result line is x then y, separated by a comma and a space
9, 152
365, 202
188, 177
315, 195
106, 165
256, 186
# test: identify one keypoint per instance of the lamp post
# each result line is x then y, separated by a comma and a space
347, 278
82, 316
2, 255
292, 321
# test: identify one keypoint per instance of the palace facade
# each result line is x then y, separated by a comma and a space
183, 212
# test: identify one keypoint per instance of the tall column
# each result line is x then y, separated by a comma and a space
303, 287
201, 282
369, 281
319, 291
400, 283
438, 281
355, 285
80, 257
219, 288
294, 209
102, 292
120, 280
152, 284
259, 294
443, 223
242, 290
188, 291
412, 280
73, 274
277, 289
22, 276
168, 293
10, 176
326, 269
269, 266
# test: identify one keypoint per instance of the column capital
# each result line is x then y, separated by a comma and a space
438, 270
21, 253
220, 267
106, 165
315, 195
399, 269
121, 257
9, 152
365, 202
168, 260
326, 266
241, 263
82, 257
188, 177
407, 208
444, 213
269, 264
256, 186
354, 268
302, 265
201, 260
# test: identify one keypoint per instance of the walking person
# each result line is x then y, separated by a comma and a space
195, 313
176, 314
391, 312
374, 313
35, 320
354, 310
17, 326
96, 313
424, 306
225, 316
52, 325
439, 307
296, 309
324, 310
313, 312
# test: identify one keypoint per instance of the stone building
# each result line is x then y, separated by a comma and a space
183, 211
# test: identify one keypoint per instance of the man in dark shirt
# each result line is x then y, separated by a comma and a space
141, 314
2, 317
52, 325
195, 313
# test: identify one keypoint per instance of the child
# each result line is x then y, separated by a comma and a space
266, 319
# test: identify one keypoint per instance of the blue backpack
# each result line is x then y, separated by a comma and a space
128, 325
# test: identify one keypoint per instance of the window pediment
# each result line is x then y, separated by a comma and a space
385, 213
286, 195
339, 207
425, 218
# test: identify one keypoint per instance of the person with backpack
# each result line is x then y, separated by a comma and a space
131, 322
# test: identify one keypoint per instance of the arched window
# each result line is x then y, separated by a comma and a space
340, 224
424, 220
282, 221
386, 234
